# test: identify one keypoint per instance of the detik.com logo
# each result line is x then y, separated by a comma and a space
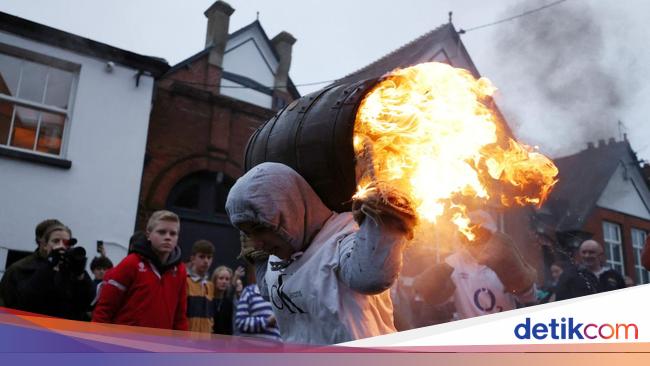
568, 328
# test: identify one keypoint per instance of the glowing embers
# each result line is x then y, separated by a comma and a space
432, 135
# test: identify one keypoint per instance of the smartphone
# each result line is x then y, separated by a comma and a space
100, 246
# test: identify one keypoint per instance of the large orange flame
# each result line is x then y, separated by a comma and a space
434, 137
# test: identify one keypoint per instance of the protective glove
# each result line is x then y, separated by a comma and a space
379, 200
501, 255
248, 251
435, 284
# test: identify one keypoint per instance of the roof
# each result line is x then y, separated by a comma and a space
291, 87
264, 88
582, 179
417, 51
72, 42
412, 53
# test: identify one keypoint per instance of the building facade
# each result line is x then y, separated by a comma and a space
602, 194
73, 124
205, 110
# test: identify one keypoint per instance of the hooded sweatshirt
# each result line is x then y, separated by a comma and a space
142, 291
334, 289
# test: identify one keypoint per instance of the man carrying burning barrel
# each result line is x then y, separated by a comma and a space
428, 148
328, 275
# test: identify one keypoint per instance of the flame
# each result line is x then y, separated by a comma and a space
434, 137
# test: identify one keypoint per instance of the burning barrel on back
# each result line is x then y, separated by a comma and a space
313, 135
428, 132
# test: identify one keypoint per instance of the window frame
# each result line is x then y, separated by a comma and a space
32, 154
610, 245
642, 275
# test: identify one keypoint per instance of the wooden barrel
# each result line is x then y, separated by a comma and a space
313, 135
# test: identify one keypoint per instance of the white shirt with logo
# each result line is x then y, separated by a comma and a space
479, 290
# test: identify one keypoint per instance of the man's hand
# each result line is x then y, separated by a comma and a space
240, 272
502, 256
270, 321
380, 200
386, 206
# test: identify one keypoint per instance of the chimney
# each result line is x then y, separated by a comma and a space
283, 44
601, 143
590, 145
611, 141
217, 35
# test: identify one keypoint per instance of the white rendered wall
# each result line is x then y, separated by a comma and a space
248, 54
98, 196
246, 60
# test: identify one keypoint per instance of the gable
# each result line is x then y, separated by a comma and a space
626, 193
250, 54
441, 44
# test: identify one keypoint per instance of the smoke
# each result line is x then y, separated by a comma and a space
559, 86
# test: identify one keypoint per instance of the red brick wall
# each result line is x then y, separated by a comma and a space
192, 128
595, 225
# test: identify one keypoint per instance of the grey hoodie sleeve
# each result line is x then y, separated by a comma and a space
371, 258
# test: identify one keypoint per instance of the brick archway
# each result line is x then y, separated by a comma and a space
168, 177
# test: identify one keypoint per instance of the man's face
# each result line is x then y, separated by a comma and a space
57, 240
200, 263
164, 236
99, 273
590, 254
268, 241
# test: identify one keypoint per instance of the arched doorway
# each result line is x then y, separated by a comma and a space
199, 199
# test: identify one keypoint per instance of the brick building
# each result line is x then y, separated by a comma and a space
204, 111
601, 194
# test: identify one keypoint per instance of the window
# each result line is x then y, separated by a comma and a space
34, 103
613, 246
638, 240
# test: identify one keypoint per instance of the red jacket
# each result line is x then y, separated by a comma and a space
135, 293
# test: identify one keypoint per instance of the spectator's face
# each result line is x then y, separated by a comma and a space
268, 241
222, 281
200, 263
590, 254
57, 240
99, 273
556, 272
164, 236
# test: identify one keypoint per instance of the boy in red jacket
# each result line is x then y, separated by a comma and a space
147, 288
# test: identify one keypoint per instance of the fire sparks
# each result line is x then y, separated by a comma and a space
433, 136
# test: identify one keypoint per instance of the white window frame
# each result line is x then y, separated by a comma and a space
638, 241
613, 241
42, 107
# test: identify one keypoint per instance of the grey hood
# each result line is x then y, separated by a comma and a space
276, 196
